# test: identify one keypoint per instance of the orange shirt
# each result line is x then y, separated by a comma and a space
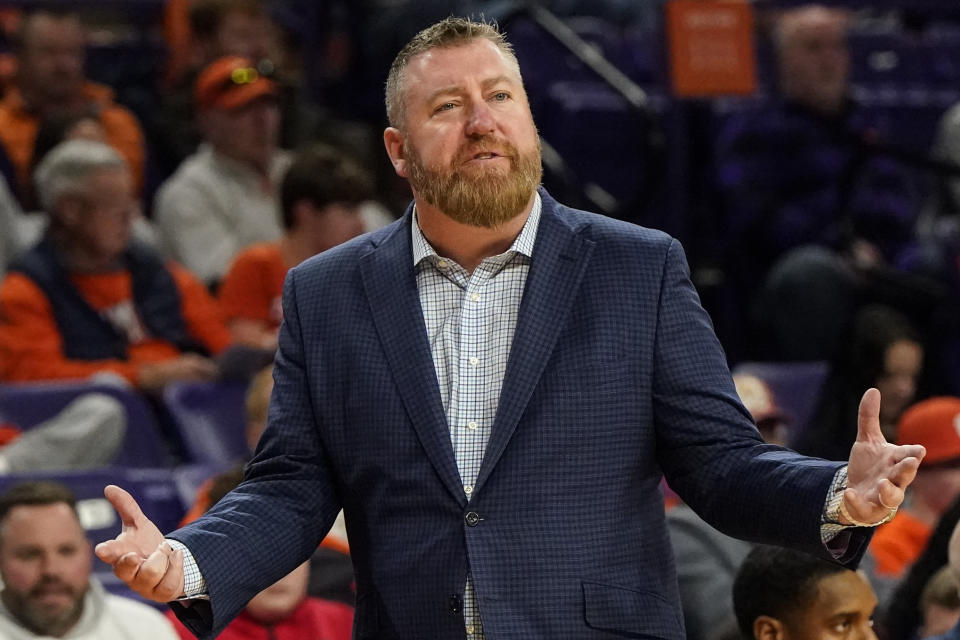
31, 347
253, 285
897, 544
19, 125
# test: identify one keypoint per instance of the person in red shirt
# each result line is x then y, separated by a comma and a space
87, 299
320, 196
934, 423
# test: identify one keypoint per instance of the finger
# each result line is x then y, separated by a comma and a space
868, 417
890, 495
110, 551
127, 567
905, 451
904, 472
170, 586
151, 571
127, 508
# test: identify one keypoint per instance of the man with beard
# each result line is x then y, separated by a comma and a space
492, 388
45, 564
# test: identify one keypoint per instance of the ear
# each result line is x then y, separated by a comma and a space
393, 141
768, 628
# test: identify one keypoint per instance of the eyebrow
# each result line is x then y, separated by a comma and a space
459, 88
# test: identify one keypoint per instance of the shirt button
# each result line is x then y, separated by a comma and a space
472, 518
474, 361
443, 264
470, 629
468, 489
472, 425
474, 296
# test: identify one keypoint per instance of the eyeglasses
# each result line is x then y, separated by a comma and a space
244, 75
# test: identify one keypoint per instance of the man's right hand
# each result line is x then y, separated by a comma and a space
188, 367
139, 555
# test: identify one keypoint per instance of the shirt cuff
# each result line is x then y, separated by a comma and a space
194, 585
830, 525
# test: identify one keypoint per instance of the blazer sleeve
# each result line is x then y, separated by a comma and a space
287, 502
708, 448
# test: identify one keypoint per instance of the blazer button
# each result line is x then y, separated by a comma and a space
472, 518
456, 604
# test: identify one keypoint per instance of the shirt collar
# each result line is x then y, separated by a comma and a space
523, 243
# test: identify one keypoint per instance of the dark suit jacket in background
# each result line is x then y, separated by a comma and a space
614, 377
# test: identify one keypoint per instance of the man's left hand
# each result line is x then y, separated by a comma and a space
879, 472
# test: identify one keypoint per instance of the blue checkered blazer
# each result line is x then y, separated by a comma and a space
615, 377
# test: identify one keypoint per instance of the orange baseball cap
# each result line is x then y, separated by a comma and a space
934, 423
231, 82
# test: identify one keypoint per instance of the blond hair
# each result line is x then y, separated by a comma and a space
449, 32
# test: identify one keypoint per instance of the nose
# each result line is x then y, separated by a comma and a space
481, 120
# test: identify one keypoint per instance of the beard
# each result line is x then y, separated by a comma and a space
476, 195
40, 619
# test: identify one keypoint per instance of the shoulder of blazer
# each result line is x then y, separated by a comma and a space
610, 234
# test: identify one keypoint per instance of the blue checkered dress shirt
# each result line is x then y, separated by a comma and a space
470, 321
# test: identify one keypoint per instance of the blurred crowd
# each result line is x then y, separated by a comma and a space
144, 244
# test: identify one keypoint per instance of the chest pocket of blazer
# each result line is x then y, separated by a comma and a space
630, 614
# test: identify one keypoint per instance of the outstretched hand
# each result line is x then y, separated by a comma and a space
879, 472
139, 555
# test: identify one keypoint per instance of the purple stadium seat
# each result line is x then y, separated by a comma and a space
795, 386
210, 419
27, 405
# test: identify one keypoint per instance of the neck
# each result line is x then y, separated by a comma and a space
297, 246
77, 258
45, 106
261, 168
465, 244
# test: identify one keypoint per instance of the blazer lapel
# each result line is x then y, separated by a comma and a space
560, 257
391, 287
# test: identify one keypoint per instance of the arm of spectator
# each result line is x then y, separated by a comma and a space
200, 311
253, 333
194, 231
31, 347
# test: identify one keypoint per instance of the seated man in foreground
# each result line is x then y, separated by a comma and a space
781, 594
87, 299
45, 564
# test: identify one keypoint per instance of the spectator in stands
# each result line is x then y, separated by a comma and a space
217, 28
224, 197
882, 350
901, 616
320, 197
797, 170
934, 424
80, 125
50, 80
954, 564
87, 299
939, 604
781, 594
282, 611
45, 563
707, 560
